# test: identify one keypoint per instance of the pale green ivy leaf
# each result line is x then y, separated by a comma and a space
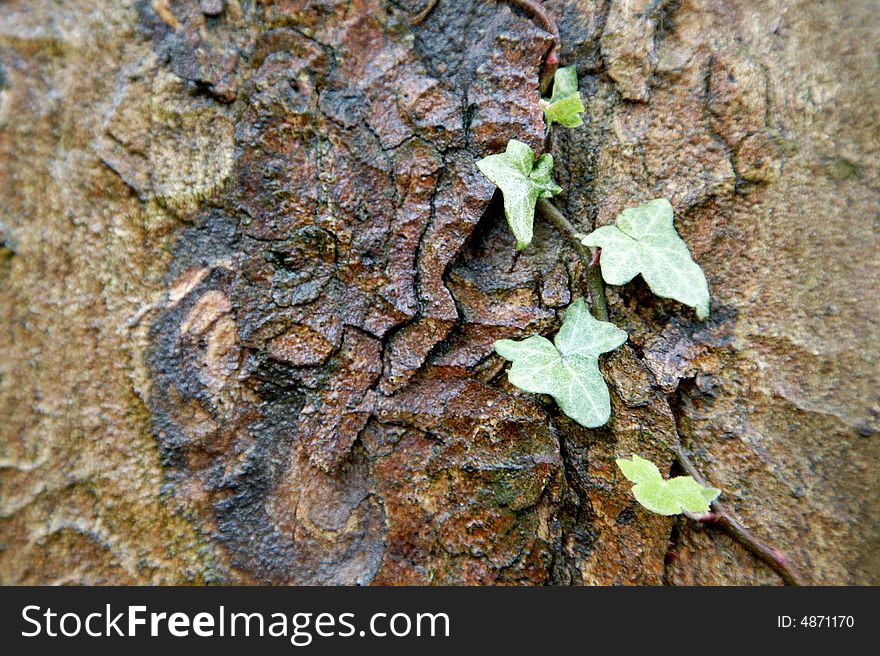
582, 334
564, 105
643, 241
710, 493
569, 370
522, 181
535, 363
677, 495
692, 496
639, 470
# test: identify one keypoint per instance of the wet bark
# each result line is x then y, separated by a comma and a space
250, 278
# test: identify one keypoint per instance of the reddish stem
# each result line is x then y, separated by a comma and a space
536, 10
423, 14
723, 520
551, 60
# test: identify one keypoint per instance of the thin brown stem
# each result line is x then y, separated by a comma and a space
589, 262
536, 11
722, 519
551, 61
597, 289
423, 14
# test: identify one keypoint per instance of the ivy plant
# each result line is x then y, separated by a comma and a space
522, 181
666, 497
567, 368
644, 241
564, 105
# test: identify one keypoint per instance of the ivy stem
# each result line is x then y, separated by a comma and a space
536, 10
722, 519
423, 14
551, 60
589, 260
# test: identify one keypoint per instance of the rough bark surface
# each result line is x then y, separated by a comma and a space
250, 277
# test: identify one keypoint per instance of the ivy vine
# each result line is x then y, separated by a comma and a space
642, 241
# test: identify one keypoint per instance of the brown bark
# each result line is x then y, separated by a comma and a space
250, 278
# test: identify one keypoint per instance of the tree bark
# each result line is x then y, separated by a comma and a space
250, 278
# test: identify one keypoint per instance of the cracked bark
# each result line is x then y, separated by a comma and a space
250, 279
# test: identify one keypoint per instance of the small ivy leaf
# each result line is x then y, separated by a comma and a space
522, 181
568, 371
692, 496
643, 241
639, 470
656, 497
710, 493
535, 360
565, 105
677, 495
582, 334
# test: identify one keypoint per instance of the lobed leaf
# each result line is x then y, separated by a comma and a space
581, 391
677, 495
639, 470
522, 181
564, 105
535, 361
568, 371
643, 241
584, 335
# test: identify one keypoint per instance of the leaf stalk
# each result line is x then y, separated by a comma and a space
589, 260
723, 520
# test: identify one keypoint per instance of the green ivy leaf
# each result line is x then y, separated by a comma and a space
564, 106
568, 371
522, 181
644, 241
638, 470
679, 494
582, 334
